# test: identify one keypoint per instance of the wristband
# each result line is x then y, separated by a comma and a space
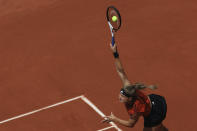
116, 55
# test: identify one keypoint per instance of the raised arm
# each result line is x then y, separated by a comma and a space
119, 67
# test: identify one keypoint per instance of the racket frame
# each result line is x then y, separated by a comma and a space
112, 33
112, 29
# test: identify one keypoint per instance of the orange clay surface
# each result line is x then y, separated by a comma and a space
53, 50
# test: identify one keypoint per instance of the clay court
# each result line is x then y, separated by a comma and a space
57, 71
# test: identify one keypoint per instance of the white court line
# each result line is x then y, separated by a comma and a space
63, 102
98, 111
41, 109
106, 128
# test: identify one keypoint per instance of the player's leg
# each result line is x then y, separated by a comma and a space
164, 128
159, 127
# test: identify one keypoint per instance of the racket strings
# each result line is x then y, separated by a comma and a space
114, 12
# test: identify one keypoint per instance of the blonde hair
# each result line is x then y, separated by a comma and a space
130, 90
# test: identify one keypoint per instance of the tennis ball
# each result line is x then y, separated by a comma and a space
114, 18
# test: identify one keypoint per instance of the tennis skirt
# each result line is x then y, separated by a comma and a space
158, 111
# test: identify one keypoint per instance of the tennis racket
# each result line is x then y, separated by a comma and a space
114, 26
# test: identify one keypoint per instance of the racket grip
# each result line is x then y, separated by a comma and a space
113, 41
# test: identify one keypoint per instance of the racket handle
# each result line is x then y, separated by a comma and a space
113, 41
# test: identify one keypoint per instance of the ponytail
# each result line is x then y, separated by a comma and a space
130, 90
141, 86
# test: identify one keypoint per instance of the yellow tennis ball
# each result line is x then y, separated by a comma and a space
114, 18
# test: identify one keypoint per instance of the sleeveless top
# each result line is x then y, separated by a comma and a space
140, 104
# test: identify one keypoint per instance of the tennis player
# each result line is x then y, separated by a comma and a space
152, 107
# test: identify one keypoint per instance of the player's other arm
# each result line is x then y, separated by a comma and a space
128, 123
119, 67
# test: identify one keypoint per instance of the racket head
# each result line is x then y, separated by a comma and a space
112, 11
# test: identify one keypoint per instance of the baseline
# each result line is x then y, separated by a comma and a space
82, 97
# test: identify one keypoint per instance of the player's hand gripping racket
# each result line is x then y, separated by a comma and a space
114, 21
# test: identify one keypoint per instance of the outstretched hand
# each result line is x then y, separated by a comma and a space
108, 119
113, 47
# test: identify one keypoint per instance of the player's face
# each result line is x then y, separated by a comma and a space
123, 98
